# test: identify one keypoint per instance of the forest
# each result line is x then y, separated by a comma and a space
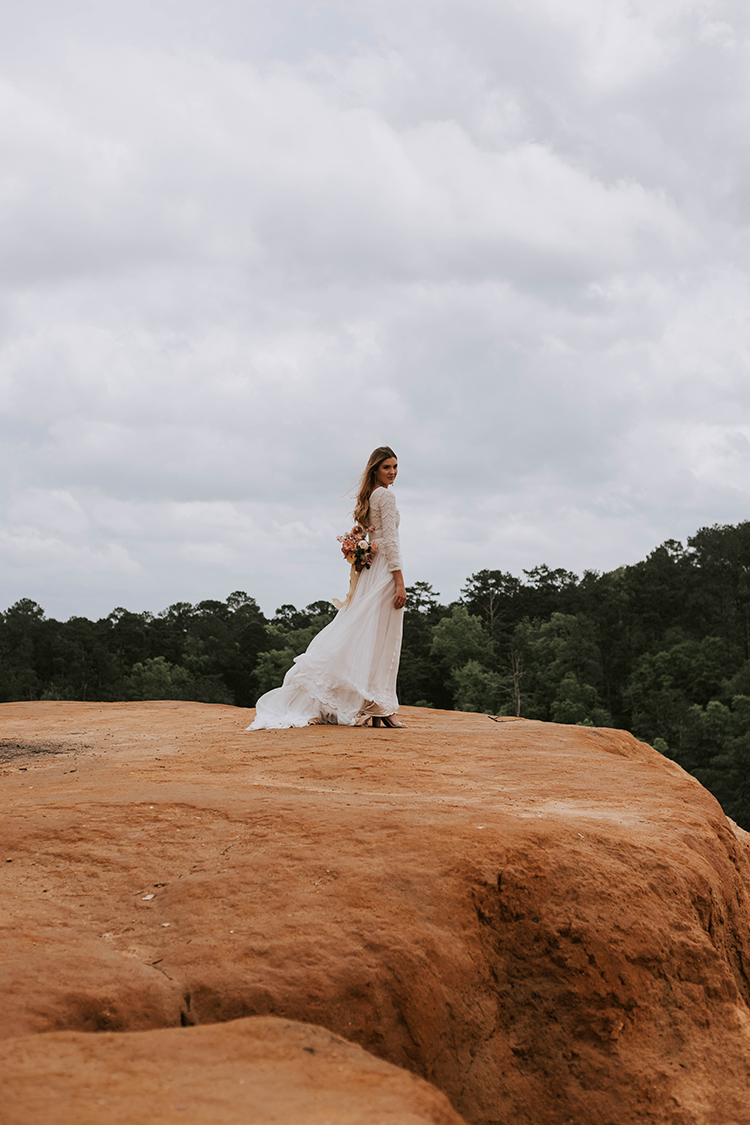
660, 648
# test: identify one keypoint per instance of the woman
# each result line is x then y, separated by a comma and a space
348, 674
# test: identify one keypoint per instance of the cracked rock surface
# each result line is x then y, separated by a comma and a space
549, 924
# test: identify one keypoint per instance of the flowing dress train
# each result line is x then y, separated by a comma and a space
352, 664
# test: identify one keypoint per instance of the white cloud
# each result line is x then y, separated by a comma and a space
243, 247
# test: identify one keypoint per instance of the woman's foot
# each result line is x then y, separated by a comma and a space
388, 721
316, 722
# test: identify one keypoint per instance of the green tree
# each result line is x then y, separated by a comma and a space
495, 598
421, 679
271, 668
476, 688
564, 669
550, 591
663, 686
129, 635
716, 750
721, 593
460, 638
156, 678
248, 634
577, 702
660, 594
21, 646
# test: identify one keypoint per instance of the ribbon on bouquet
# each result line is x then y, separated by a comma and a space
353, 576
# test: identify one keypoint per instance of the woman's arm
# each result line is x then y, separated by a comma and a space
390, 543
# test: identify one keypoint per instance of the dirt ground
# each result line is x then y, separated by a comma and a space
548, 924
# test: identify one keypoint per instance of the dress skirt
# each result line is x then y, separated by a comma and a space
349, 667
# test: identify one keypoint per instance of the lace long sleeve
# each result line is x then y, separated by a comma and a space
388, 539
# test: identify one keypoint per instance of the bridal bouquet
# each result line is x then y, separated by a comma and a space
356, 548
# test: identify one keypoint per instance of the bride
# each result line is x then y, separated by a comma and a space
348, 674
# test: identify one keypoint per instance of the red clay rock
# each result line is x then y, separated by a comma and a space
247, 1072
549, 923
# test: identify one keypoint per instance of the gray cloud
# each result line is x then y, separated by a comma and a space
241, 248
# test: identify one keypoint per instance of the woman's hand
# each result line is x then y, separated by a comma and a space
400, 600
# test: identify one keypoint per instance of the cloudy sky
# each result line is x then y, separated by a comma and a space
245, 242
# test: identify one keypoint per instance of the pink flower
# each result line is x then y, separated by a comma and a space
355, 547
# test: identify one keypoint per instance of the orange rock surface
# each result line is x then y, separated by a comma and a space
245, 1072
550, 924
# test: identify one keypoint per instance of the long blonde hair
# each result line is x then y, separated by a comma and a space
367, 483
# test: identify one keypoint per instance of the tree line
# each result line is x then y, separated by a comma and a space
660, 648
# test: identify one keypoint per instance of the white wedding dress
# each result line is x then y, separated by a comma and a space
350, 667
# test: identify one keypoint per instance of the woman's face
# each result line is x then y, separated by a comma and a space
386, 472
